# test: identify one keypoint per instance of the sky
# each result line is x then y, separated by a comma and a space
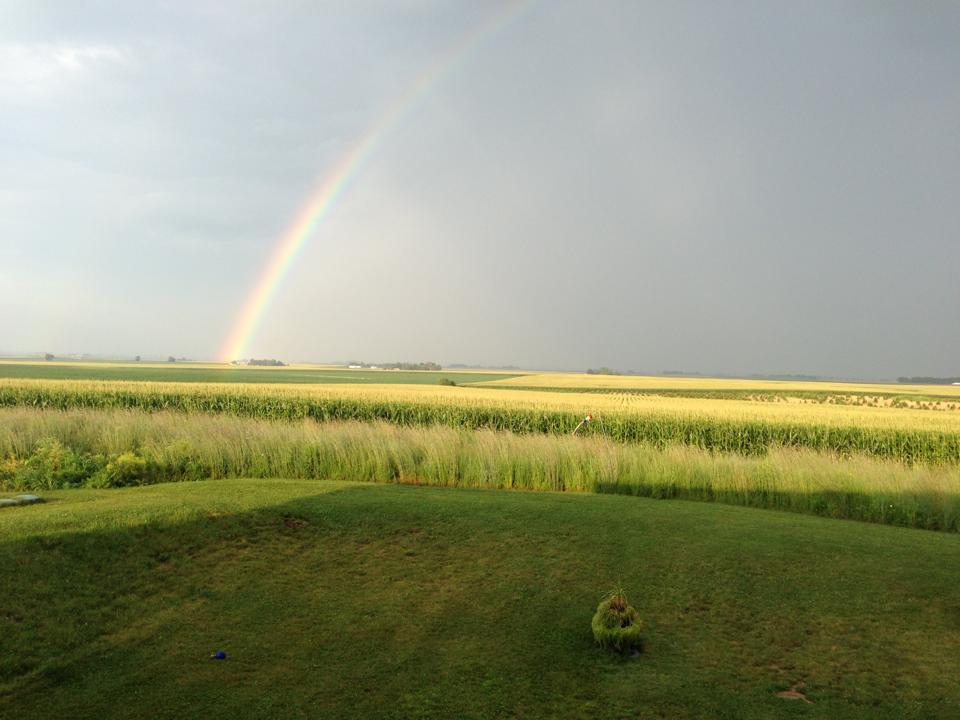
737, 187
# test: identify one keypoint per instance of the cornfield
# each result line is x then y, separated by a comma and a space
578, 381
727, 426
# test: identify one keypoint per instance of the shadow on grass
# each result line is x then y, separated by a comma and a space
385, 601
332, 601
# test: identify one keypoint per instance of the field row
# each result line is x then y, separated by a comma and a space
723, 426
879, 394
209, 373
578, 381
908, 401
43, 450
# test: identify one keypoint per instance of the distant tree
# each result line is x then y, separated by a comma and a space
602, 371
432, 366
171, 358
137, 359
412, 366
49, 356
267, 362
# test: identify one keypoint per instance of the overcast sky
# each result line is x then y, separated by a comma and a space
739, 187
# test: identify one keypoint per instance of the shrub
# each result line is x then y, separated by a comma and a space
123, 470
52, 465
616, 624
447, 381
8, 472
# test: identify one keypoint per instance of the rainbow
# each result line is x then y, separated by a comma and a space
335, 183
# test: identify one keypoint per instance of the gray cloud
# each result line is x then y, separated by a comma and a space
752, 187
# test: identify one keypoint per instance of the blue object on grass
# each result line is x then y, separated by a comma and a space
219, 655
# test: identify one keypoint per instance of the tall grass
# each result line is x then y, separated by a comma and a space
905, 438
43, 448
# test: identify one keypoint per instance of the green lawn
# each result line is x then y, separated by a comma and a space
175, 373
343, 600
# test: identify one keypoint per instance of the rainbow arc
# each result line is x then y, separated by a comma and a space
347, 168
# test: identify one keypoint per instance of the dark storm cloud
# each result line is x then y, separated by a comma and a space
745, 187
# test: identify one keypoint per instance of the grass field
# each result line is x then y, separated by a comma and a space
343, 591
42, 450
878, 394
210, 373
339, 600
582, 381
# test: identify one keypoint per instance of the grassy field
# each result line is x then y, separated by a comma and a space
343, 591
583, 381
42, 450
506, 400
724, 425
339, 600
211, 373
910, 401
879, 394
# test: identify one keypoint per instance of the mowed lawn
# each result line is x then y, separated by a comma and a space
337, 600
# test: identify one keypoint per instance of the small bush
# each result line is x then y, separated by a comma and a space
616, 624
446, 381
8, 472
123, 470
51, 466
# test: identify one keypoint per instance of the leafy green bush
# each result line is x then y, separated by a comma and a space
51, 466
8, 471
178, 461
446, 381
123, 470
616, 624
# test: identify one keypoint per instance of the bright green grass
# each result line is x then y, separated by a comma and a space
340, 600
175, 373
